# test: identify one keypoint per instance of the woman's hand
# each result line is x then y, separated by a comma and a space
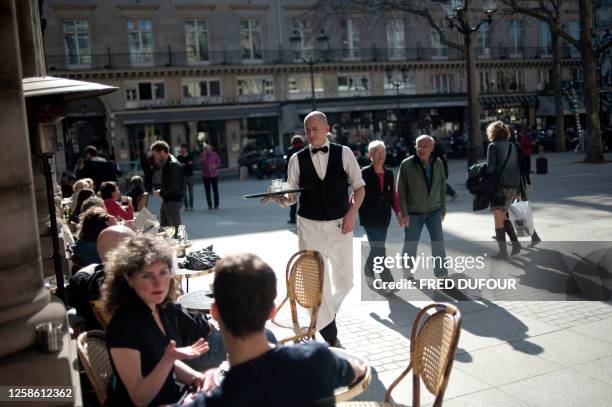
187, 352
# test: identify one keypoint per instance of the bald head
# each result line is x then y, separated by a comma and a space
110, 238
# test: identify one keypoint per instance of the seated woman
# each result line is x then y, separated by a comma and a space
139, 292
82, 196
136, 191
109, 191
92, 223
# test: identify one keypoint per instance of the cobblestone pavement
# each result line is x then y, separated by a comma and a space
511, 353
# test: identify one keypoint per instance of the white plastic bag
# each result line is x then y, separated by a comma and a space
522, 218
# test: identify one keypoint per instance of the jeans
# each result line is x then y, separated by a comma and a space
433, 221
208, 182
217, 351
376, 238
188, 200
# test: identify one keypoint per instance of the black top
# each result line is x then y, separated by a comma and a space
173, 181
99, 170
134, 327
375, 211
135, 193
187, 168
325, 199
295, 376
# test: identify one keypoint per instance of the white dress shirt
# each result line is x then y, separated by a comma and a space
320, 160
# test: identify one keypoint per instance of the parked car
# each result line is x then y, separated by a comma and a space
263, 163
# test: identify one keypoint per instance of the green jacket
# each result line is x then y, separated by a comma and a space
412, 187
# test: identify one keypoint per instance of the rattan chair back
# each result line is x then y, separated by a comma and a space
94, 356
432, 349
304, 275
143, 200
100, 313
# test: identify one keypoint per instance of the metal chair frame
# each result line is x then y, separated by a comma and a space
97, 363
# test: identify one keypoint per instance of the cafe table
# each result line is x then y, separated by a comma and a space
197, 301
340, 394
187, 274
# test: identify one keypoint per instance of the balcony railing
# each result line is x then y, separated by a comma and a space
183, 59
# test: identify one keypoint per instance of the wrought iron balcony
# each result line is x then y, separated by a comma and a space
111, 61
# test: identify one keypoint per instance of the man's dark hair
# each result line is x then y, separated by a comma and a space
244, 288
107, 188
160, 145
91, 150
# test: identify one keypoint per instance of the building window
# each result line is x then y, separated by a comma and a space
511, 81
574, 31
395, 38
349, 34
439, 50
196, 39
78, 47
299, 86
198, 91
515, 37
140, 42
486, 86
144, 94
483, 40
356, 84
303, 28
255, 89
544, 80
405, 86
545, 39
250, 39
442, 83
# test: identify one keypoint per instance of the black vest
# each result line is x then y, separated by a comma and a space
325, 199
375, 211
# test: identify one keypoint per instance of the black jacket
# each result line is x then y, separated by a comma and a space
173, 181
375, 211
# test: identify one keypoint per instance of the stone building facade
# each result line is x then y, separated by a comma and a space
225, 72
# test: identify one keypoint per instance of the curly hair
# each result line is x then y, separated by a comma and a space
129, 259
93, 221
497, 131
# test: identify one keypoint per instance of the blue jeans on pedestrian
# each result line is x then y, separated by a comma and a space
433, 221
377, 238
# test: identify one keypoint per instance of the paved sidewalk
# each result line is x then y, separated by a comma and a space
511, 353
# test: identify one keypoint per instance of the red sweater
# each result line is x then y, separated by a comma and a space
114, 208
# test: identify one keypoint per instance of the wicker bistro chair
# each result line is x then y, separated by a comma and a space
304, 288
93, 354
432, 349
143, 200
100, 313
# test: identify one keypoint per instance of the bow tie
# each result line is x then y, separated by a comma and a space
323, 149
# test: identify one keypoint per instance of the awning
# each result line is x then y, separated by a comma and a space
505, 101
546, 106
68, 89
151, 116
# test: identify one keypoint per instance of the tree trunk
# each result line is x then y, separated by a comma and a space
556, 79
594, 150
476, 150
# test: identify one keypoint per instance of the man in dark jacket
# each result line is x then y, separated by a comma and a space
97, 168
172, 188
297, 143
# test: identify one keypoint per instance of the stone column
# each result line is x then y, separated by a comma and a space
24, 302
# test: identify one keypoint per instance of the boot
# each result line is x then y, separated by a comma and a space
516, 245
500, 236
535, 238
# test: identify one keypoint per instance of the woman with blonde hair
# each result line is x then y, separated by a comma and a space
503, 160
139, 292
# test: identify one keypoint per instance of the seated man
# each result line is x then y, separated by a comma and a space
261, 373
85, 284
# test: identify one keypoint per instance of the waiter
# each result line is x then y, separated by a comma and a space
326, 218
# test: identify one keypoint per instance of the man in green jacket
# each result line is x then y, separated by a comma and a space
421, 188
